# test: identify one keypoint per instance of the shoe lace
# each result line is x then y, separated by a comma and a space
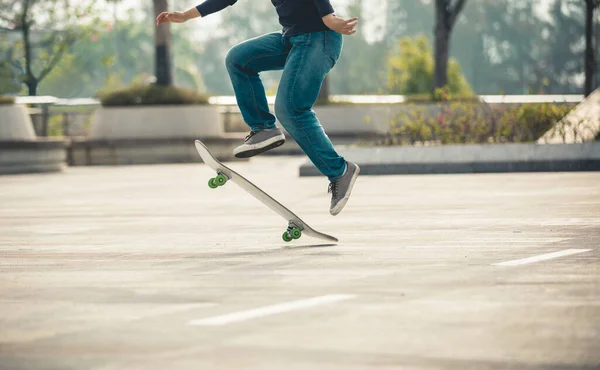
252, 133
333, 188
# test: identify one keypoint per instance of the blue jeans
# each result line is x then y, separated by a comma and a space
305, 60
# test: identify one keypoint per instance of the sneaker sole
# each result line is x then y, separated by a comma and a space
342, 203
257, 151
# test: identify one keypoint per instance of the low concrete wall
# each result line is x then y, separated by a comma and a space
84, 152
152, 134
21, 151
344, 120
18, 157
338, 120
470, 159
156, 122
344, 124
15, 123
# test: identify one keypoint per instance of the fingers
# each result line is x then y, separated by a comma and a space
346, 31
162, 18
350, 29
349, 25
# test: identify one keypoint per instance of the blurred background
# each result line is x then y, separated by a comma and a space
417, 71
497, 47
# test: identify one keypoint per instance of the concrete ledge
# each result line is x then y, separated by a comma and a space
15, 123
470, 159
17, 157
88, 152
292, 148
163, 122
356, 119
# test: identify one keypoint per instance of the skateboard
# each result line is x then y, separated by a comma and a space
296, 226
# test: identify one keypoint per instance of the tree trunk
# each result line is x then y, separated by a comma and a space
446, 14
30, 80
590, 62
32, 87
162, 42
442, 51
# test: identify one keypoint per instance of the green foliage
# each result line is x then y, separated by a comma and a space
9, 80
408, 18
7, 100
510, 46
469, 123
111, 57
357, 72
138, 95
527, 122
46, 30
502, 46
410, 72
117, 55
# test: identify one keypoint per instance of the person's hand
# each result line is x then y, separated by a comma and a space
339, 25
175, 17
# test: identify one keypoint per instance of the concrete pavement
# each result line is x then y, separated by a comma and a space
145, 267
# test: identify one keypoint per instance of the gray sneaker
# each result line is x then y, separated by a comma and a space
258, 142
340, 190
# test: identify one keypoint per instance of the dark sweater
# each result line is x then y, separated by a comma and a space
295, 16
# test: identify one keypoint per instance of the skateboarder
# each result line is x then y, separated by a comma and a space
306, 49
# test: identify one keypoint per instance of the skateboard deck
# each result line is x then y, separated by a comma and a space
296, 226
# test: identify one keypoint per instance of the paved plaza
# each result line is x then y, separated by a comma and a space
146, 267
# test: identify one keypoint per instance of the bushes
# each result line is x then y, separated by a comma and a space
469, 123
528, 122
7, 100
151, 95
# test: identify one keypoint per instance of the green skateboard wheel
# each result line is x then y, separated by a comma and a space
286, 237
296, 233
221, 180
212, 184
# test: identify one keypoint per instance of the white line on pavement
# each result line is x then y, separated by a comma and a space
542, 257
270, 310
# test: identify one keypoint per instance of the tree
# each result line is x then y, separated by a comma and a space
446, 14
590, 58
9, 73
407, 18
47, 28
162, 40
411, 71
518, 64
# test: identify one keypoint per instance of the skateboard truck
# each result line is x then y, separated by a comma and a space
293, 232
220, 180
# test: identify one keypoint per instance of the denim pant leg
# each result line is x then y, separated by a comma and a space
244, 62
312, 56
